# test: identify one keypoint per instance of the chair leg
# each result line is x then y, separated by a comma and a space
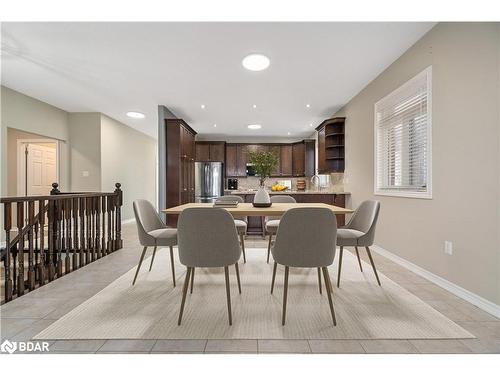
373, 264
274, 276
192, 281
242, 240
152, 259
172, 264
269, 246
184, 292
285, 295
228, 294
359, 259
140, 262
340, 265
329, 292
319, 281
238, 276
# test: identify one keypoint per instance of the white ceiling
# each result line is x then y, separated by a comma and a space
118, 67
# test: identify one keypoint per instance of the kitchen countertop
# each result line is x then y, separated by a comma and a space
289, 192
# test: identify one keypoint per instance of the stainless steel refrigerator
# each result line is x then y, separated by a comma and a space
208, 181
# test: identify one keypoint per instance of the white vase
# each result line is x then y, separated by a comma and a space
262, 196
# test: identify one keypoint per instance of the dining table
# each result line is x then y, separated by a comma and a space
247, 209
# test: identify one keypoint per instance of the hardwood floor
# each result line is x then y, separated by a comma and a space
27, 316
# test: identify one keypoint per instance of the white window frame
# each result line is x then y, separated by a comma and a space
398, 193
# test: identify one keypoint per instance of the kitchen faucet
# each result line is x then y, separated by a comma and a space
315, 180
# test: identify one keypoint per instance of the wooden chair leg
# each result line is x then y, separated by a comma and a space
242, 240
269, 246
192, 281
274, 276
152, 259
285, 295
140, 262
319, 281
329, 292
359, 259
373, 264
238, 276
172, 264
340, 265
184, 292
228, 294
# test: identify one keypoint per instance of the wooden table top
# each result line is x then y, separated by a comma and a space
246, 209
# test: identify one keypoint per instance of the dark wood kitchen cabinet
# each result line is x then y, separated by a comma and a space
210, 151
180, 149
286, 160
241, 156
303, 158
331, 145
236, 160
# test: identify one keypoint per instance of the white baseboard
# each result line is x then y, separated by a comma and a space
127, 221
482, 303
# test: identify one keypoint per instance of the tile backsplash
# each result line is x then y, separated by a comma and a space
336, 182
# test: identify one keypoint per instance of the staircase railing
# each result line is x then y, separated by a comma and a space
56, 234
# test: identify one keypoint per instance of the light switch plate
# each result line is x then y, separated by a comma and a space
85, 173
448, 247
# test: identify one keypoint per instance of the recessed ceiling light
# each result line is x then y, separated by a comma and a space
202, 106
215, 125
254, 126
308, 105
288, 133
256, 62
310, 124
255, 106
135, 114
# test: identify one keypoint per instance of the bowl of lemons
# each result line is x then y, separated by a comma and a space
278, 187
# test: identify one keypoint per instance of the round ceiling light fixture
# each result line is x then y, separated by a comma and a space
256, 62
254, 126
134, 114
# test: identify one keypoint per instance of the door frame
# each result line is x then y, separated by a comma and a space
21, 161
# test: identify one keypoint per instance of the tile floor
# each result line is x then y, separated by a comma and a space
23, 318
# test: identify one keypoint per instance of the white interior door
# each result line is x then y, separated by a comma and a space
41, 169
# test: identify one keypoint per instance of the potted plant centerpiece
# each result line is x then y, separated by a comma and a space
264, 163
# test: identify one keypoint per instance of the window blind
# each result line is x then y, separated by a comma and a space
402, 143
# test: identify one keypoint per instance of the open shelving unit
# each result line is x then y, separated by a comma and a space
331, 145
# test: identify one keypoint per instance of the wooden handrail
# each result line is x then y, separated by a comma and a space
57, 234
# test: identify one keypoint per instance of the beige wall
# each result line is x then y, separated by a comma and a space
85, 136
127, 157
465, 136
29, 115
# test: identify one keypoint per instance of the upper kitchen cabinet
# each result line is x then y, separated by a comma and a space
286, 160
303, 163
236, 160
210, 151
331, 145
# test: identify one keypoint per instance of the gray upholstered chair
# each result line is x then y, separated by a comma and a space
208, 238
152, 232
239, 221
272, 222
306, 238
359, 231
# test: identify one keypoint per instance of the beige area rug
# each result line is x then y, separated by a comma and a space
149, 310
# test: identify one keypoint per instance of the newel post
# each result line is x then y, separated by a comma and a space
55, 189
118, 226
